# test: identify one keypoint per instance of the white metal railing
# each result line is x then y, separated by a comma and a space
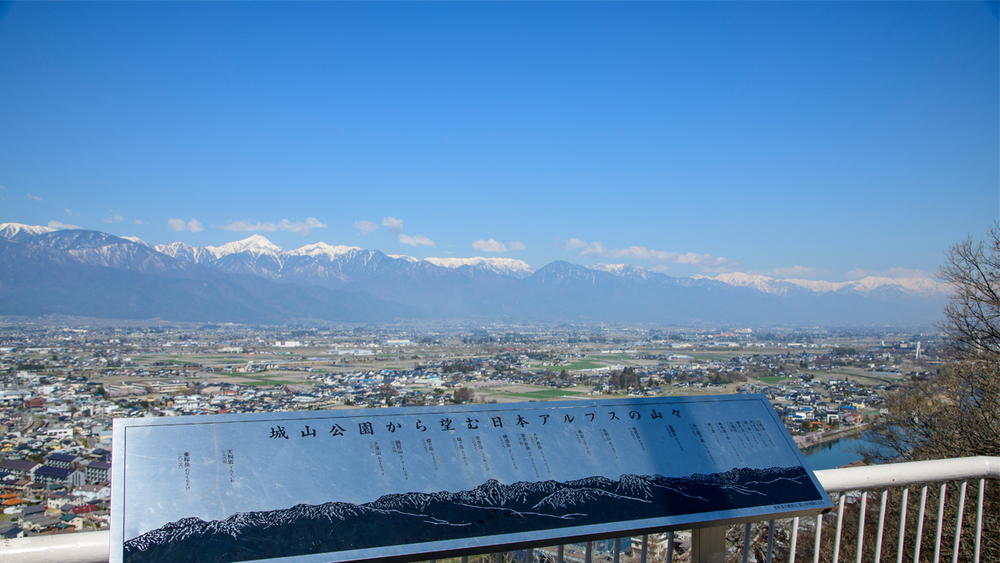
854, 484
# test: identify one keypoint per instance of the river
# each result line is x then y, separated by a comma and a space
831, 455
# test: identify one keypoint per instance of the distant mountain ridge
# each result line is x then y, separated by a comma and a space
491, 509
409, 287
93, 274
919, 286
260, 256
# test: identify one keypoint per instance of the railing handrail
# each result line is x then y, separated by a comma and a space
908, 473
92, 547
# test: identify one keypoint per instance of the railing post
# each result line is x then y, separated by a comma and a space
708, 545
770, 541
746, 542
795, 540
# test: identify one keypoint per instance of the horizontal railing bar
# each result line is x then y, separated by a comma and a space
908, 473
82, 547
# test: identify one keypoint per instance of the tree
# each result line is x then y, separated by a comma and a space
957, 413
387, 391
464, 395
973, 314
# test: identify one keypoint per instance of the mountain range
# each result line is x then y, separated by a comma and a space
45, 271
491, 509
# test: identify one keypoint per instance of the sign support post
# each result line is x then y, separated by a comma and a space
708, 545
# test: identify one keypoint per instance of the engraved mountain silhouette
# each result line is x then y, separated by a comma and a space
490, 509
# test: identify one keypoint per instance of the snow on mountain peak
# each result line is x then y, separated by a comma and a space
139, 241
19, 231
506, 266
255, 244
610, 268
912, 285
184, 251
623, 270
322, 249
917, 285
617, 269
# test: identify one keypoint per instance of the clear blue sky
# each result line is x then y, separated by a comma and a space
839, 138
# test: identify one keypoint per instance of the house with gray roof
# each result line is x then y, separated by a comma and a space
19, 467
57, 475
64, 461
99, 472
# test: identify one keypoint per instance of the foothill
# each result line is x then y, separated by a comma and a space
64, 382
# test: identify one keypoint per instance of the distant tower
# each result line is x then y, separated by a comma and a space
918, 349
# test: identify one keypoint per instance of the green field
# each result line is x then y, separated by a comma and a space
772, 379
544, 394
612, 357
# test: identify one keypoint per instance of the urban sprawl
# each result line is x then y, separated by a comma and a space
64, 383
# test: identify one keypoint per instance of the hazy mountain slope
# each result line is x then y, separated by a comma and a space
443, 292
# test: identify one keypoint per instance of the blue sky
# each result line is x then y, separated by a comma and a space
815, 140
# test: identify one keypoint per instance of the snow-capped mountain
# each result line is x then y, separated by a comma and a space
138, 240
324, 264
186, 252
323, 249
404, 257
18, 232
36, 260
916, 286
94, 248
504, 266
254, 245
627, 271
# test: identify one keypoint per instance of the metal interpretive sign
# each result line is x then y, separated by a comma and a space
413, 483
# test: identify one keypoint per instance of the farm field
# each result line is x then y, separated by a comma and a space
612, 357
544, 394
774, 379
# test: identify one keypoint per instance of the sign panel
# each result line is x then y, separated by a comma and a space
344, 485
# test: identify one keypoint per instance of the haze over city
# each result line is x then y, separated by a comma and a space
823, 141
